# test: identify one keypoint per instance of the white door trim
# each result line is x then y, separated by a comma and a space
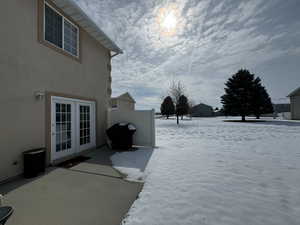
77, 147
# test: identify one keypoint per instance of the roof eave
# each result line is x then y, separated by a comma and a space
293, 93
85, 22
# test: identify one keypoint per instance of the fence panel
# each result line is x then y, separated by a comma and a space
143, 121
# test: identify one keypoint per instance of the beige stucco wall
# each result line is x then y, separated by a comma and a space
26, 66
295, 107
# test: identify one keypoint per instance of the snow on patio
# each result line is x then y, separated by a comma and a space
206, 171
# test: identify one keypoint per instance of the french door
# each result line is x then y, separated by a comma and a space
72, 126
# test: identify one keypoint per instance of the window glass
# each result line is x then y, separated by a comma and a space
85, 125
53, 27
63, 127
70, 38
60, 32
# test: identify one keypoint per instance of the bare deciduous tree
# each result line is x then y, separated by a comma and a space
176, 90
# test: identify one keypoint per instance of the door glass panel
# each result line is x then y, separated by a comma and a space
84, 125
63, 127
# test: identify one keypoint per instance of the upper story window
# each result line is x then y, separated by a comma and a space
61, 32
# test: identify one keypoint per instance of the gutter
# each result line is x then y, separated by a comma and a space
118, 53
73, 10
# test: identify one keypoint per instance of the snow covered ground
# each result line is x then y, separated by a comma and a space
206, 171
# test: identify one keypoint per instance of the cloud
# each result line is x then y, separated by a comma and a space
213, 40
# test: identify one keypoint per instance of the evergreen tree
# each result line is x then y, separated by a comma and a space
182, 108
262, 103
167, 108
238, 96
245, 95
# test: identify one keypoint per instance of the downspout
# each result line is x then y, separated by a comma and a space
108, 118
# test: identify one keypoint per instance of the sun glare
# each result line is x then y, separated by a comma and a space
168, 20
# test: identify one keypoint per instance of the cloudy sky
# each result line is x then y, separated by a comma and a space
201, 43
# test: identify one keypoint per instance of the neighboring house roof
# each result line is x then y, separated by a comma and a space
203, 106
202, 110
126, 96
78, 15
295, 92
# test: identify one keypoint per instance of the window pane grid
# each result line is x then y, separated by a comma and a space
63, 127
85, 125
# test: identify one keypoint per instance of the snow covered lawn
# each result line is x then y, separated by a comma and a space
206, 171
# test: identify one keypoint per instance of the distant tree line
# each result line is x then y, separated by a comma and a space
244, 95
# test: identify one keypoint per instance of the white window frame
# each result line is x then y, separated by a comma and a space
63, 30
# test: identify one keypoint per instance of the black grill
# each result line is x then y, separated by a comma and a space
121, 136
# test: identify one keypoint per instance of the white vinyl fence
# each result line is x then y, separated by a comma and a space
143, 120
285, 115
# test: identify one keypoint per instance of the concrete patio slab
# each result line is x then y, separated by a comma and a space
68, 197
101, 156
88, 167
99, 163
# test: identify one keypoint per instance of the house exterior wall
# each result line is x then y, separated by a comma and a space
125, 105
295, 107
114, 103
27, 66
202, 110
